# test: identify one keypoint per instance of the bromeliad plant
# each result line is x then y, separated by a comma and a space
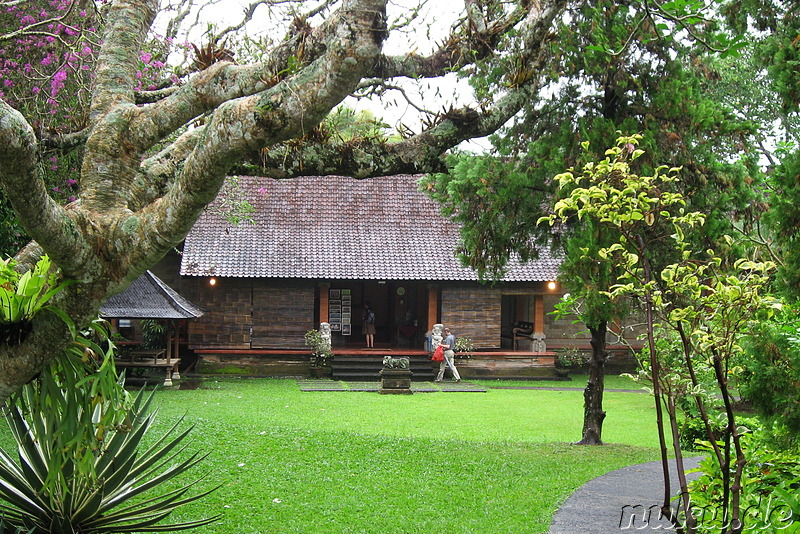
80, 466
23, 295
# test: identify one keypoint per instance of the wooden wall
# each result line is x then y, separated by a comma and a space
248, 313
228, 320
245, 313
473, 311
282, 314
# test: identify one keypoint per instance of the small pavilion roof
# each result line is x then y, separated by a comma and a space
149, 298
336, 227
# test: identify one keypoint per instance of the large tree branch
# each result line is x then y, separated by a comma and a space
111, 156
364, 158
126, 29
45, 220
282, 112
225, 81
470, 41
159, 171
373, 156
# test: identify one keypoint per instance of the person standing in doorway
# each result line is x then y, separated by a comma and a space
449, 345
368, 328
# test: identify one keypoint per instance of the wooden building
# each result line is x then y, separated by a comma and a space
318, 248
150, 298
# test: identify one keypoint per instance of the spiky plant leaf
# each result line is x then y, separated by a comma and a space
80, 466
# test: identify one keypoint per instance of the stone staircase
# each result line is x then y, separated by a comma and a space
367, 368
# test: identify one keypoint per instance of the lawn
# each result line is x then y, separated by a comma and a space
341, 462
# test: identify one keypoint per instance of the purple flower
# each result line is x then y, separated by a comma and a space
146, 57
27, 20
58, 82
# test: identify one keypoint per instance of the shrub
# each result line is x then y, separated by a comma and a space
771, 379
769, 483
321, 350
80, 466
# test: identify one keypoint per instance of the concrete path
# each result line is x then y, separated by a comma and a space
325, 384
618, 502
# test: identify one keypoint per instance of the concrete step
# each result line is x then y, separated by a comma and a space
366, 368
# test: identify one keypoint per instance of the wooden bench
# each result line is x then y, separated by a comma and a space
155, 358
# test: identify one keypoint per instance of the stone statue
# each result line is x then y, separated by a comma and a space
538, 344
395, 363
436, 336
325, 333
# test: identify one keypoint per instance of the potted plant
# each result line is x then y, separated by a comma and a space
566, 361
321, 352
464, 347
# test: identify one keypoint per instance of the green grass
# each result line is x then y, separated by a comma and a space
292, 461
576, 381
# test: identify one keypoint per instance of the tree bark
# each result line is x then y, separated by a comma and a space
593, 413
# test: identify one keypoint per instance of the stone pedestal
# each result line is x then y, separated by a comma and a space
396, 382
320, 372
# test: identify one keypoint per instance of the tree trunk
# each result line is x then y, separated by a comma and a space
593, 413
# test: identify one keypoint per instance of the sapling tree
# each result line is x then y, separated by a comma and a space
635, 210
713, 309
708, 305
588, 283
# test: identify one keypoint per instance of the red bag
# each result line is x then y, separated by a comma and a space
438, 354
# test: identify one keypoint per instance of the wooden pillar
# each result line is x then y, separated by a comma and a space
433, 306
324, 304
176, 339
169, 338
538, 314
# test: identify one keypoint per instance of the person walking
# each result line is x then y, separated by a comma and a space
368, 327
449, 345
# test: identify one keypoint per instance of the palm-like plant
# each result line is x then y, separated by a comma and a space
79, 466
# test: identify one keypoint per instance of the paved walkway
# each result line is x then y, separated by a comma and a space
325, 384
618, 501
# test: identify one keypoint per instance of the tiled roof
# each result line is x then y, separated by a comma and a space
335, 227
149, 298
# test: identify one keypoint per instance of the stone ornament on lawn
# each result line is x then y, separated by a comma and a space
396, 376
395, 363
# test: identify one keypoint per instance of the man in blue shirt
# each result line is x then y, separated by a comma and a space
449, 345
